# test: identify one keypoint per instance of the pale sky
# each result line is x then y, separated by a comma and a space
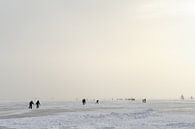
67, 49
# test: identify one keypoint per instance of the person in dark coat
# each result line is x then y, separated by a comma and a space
38, 104
31, 103
83, 101
144, 100
97, 102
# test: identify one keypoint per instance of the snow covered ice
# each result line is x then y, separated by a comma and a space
106, 115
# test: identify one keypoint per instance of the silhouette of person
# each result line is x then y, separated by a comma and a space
182, 97
97, 101
143, 100
38, 104
83, 101
31, 103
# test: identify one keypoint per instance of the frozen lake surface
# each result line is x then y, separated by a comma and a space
106, 115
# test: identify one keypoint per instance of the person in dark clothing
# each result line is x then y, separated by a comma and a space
143, 100
38, 104
97, 101
31, 103
83, 101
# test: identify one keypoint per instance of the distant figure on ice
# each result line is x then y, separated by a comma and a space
31, 103
38, 104
97, 102
143, 100
191, 97
182, 97
83, 101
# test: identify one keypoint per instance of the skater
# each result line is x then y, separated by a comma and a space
38, 104
31, 103
83, 101
97, 101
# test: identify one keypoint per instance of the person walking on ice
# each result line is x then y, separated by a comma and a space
38, 104
31, 103
83, 101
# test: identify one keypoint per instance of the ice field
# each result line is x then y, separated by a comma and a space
154, 114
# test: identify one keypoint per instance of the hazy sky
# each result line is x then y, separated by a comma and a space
67, 49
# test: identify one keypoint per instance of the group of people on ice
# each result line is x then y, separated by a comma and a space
84, 101
31, 103
97, 101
